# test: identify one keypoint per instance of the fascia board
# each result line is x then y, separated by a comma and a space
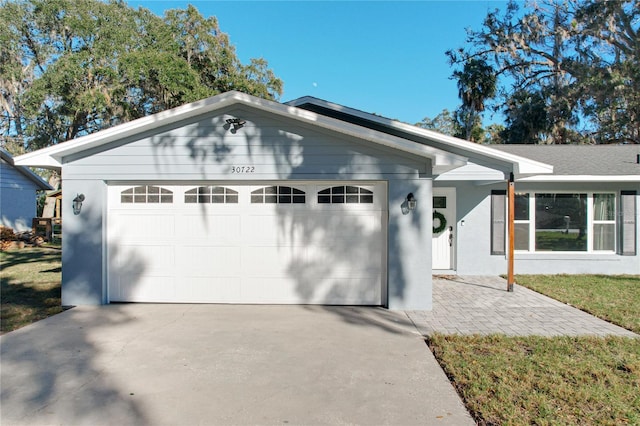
581, 178
52, 157
522, 166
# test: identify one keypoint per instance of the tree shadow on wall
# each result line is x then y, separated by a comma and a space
284, 149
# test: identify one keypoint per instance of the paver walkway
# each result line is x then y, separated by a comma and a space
481, 304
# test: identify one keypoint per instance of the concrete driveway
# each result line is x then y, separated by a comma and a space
223, 364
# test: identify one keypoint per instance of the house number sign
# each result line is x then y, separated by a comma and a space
243, 169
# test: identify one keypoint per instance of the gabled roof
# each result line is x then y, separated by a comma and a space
53, 156
582, 163
521, 166
37, 180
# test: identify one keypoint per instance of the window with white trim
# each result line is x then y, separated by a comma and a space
565, 222
211, 195
146, 194
278, 195
604, 222
345, 194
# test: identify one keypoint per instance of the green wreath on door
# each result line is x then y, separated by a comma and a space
443, 222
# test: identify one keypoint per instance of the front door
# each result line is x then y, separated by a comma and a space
444, 227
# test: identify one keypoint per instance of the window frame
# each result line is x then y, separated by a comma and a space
295, 195
227, 196
344, 194
164, 195
590, 222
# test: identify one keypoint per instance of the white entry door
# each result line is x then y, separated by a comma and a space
444, 239
272, 242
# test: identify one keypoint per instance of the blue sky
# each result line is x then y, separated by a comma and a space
383, 57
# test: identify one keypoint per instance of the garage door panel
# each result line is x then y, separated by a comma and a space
338, 291
267, 290
136, 226
214, 290
340, 255
351, 291
348, 227
247, 253
208, 261
220, 229
146, 288
270, 260
144, 258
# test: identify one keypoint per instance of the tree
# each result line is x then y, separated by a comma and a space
476, 84
72, 67
609, 34
578, 59
444, 123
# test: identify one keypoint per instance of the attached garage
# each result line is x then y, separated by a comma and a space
264, 242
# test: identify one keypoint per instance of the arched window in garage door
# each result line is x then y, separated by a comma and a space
146, 194
211, 195
345, 194
278, 195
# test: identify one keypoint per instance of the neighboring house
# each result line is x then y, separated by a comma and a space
236, 199
18, 187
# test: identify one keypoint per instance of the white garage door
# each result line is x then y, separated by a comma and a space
275, 243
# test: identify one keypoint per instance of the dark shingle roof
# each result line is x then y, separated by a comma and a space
594, 160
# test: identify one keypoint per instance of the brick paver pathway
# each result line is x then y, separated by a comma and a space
481, 305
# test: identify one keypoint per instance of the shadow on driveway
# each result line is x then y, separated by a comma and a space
224, 364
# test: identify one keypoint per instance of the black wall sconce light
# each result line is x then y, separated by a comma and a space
77, 204
237, 123
409, 204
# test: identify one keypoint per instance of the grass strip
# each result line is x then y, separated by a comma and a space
540, 380
29, 286
615, 298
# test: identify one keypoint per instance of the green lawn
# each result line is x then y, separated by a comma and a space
563, 380
29, 286
536, 380
615, 298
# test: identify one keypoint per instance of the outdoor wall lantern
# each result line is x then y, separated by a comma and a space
409, 204
237, 123
77, 204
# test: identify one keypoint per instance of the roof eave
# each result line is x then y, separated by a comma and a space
53, 157
522, 166
581, 178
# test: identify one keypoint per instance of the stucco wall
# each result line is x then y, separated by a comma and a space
83, 244
410, 272
473, 237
